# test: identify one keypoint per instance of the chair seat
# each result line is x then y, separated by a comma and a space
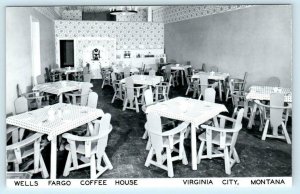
215, 138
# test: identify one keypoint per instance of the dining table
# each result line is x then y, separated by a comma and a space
263, 93
217, 76
59, 87
148, 80
53, 121
181, 68
193, 111
68, 70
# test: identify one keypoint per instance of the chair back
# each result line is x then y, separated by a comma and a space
276, 99
203, 81
85, 90
129, 88
167, 71
210, 95
126, 72
152, 72
21, 105
85, 70
153, 126
148, 96
204, 68
40, 79
113, 76
214, 68
273, 81
238, 98
87, 77
92, 100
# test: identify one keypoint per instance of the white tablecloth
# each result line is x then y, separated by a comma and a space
72, 116
145, 79
120, 70
178, 67
67, 70
59, 87
187, 109
214, 76
263, 93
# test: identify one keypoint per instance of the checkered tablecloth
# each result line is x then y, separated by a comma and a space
59, 87
263, 93
214, 76
120, 70
66, 117
178, 67
145, 79
187, 109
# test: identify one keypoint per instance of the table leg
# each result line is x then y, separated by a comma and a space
53, 158
194, 147
60, 97
67, 76
182, 79
251, 120
220, 90
246, 108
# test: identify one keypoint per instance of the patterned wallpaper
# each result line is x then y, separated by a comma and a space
71, 15
141, 16
128, 35
171, 14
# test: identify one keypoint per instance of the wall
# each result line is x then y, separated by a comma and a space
18, 49
128, 35
257, 40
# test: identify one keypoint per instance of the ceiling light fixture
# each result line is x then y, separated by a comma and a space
124, 10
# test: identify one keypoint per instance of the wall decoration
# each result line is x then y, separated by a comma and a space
141, 16
71, 15
171, 14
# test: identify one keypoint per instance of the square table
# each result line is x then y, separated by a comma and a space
59, 87
263, 93
181, 68
189, 110
219, 77
67, 117
68, 71
145, 80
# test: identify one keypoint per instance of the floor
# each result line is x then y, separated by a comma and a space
127, 153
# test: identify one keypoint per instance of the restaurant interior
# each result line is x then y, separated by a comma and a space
177, 91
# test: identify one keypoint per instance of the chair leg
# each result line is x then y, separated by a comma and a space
148, 146
113, 99
287, 137
136, 104
125, 104
107, 162
68, 165
200, 152
184, 158
170, 163
93, 167
236, 156
149, 157
45, 173
145, 135
265, 130
234, 113
187, 91
227, 161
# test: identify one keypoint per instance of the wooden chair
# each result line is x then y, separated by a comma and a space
119, 93
220, 141
21, 105
92, 100
165, 141
210, 95
273, 114
89, 149
236, 84
167, 74
87, 77
203, 85
18, 151
162, 90
193, 84
132, 95
80, 97
34, 99
106, 80
126, 72
273, 81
